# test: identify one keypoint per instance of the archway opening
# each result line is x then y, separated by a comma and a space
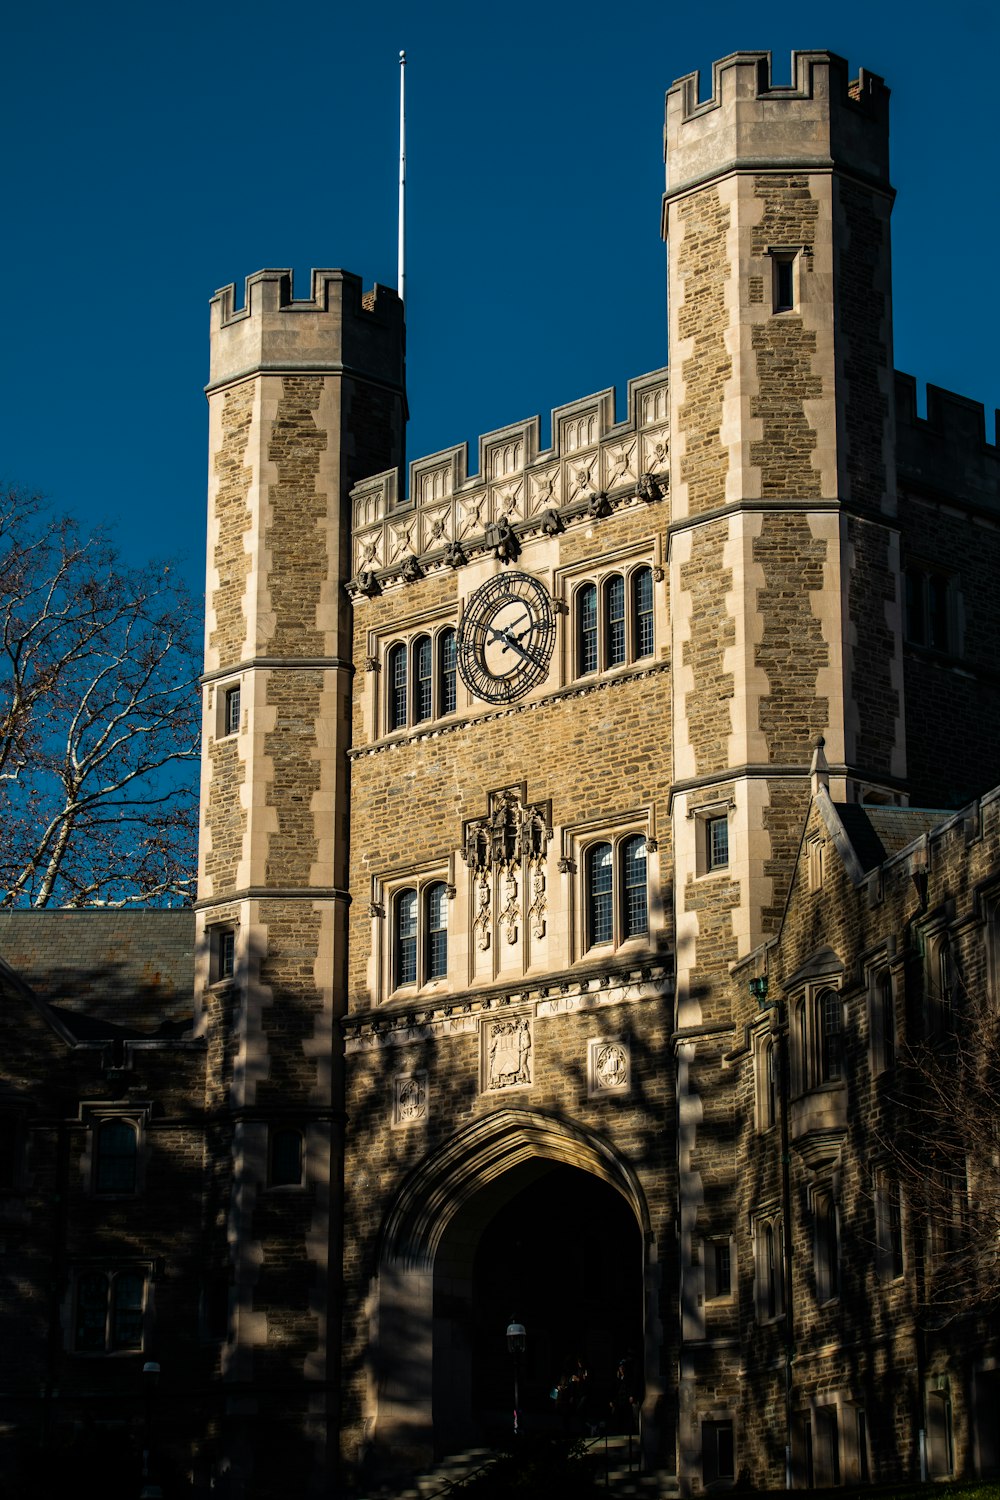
559, 1250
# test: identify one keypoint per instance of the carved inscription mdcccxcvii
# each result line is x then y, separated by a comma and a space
506, 1053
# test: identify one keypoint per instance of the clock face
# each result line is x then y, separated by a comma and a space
506, 638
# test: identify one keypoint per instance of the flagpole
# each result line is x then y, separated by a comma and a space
402, 178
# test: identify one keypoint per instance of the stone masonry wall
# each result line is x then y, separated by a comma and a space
708, 707
703, 269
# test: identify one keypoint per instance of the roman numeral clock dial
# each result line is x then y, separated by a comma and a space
506, 638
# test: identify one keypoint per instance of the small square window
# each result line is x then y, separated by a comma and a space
717, 843
231, 711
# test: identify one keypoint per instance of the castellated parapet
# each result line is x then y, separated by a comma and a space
339, 329
593, 465
822, 119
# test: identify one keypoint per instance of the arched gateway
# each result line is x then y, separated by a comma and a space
523, 1214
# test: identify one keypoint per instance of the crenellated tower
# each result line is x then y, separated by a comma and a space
784, 558
784, 562
305, 399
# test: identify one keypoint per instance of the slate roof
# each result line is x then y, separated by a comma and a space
105, 971
877, 833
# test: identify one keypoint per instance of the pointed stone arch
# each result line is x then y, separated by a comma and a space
442, 1199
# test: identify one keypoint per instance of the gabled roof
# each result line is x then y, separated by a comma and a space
130, 971
877, 833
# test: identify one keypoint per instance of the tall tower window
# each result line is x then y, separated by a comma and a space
600, 894
614, 617
406, 937
831, 1037
717, 839
231, 711
116, 1149
635, 914
642, 608
784, 281
397, 687
437, 930
424, 679
446, 648
587, 608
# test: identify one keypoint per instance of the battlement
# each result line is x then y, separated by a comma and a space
949, 450
822, 119
340, 326
593, 464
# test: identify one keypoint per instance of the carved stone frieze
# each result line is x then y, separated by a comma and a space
608, 1066
507, 1047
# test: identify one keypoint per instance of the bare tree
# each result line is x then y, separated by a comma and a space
945, 1150
98, 719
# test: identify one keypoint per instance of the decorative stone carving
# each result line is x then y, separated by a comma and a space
376, 909
608, 1067
507, 1053
536, 911
649, 488
567, 866
508, 917
502, 541
652, 845
509, 845
552, 522
409, 1098
455, 555
599, 505
372, 664
481, 925
366, 584
411, 569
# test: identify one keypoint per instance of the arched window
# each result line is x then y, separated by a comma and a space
642, 612
286, 1157
635, 912
437, 930
586, 603
614, 621
616, 900
116, 1148
423, 679
600, 895
397, 687
447, 658
406, 938
830, 1022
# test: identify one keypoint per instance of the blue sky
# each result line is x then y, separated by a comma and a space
155, 153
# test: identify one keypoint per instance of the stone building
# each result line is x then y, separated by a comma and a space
510, 787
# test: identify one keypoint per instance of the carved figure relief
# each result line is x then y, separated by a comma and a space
410, 1098
481, 925
508, 1053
